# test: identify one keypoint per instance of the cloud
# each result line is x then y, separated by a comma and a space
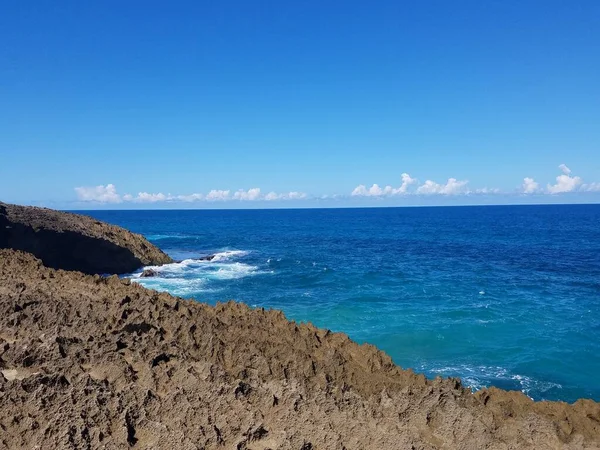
360, 190
373, 191
108, 194
564, 182
191, 197
376, 191
250, 194
406, 182
101, 194
452, 187
487, 191
590, 187
217, 195
530, 186
285, 196
294, 196
145, 197
565, 169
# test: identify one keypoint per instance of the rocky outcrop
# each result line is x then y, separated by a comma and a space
75, 242
149, 273
92, 362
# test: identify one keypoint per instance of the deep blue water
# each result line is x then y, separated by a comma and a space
498, 295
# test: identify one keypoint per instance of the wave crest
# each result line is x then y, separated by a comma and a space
193, 276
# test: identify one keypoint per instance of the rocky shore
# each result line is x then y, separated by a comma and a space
91, 362
75, 242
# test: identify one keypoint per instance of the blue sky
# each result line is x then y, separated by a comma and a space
158, 104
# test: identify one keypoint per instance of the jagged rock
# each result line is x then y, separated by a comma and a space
207, 258
93, 362
75, 242
148, 273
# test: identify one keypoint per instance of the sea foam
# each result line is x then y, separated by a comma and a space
193, 276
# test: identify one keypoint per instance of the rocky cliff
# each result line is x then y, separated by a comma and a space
75, 242
92, 362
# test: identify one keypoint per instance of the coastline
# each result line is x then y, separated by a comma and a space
100, 362
104, 361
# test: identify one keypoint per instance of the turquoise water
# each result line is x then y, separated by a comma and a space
498, 295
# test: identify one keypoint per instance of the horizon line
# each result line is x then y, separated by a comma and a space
333, 207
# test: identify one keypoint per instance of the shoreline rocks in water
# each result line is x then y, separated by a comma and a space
149, 273
93, 362
75, 242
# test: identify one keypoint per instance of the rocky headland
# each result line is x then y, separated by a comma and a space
75, 242
91, 362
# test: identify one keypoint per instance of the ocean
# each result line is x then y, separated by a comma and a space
505, 296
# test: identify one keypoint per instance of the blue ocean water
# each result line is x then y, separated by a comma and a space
498, 295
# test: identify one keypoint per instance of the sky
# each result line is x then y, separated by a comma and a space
153, 104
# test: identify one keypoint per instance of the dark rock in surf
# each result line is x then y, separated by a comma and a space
148, 273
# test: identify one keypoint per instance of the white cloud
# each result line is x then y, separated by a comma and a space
564, 182
487, 191
108, 194
216, 194
145, 197
191, 197
564, 169
360, 190
406, 182
285, 196
102, 194
530, 186
452, 187
590, 187
376, 191
251, 194
294, 196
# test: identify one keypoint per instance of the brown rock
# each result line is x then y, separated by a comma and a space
148, 273
75, 242
93, 362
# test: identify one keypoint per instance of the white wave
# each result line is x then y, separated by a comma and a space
229, 254
479, 377
167, 268
191, 263
195, 276
191, 268
175, 286
232, 271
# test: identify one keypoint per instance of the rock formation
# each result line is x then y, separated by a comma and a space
149, 273
75, 242
93, 362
